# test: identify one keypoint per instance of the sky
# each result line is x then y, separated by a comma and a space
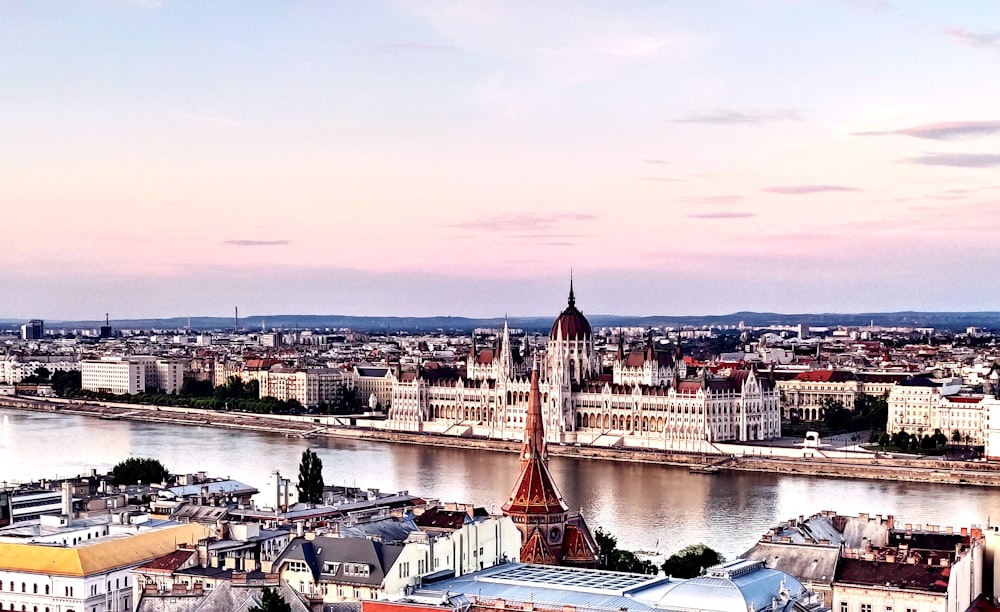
168, 158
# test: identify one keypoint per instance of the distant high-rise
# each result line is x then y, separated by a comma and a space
106, 328
33, 330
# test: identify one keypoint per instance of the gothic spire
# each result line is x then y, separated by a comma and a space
534, 446
572, 298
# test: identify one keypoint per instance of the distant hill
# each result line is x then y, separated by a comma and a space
956, 321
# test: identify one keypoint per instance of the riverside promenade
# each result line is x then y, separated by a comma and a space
725, 457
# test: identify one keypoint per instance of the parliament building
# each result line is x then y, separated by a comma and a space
648, 398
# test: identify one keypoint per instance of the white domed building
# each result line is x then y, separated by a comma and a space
736, 586
649, 398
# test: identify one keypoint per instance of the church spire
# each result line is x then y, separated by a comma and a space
572, 298
534, 446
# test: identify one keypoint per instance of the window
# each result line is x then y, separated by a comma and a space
866, 607
843, 606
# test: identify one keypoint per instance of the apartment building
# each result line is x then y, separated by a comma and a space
132, 374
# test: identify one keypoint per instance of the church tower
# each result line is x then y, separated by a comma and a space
571, 345
551, 535
571, 360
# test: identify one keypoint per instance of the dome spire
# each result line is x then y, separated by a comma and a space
572, 298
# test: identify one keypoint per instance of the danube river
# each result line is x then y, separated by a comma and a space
648, 507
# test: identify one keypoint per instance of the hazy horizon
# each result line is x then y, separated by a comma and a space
413, 158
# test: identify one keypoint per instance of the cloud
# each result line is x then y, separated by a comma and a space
414, 46
942, 131
985, 39
663, 179
655, 161
212, 119
632, 47
722, 215
957, 160
523, 222
720, 200
256, 243
873, 6
736, 117
804, 189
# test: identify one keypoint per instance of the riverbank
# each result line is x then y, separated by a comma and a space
745, 458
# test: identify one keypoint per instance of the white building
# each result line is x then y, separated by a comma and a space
356, 568
913, 404
650, 398
81, 566
13, 371
132, 374
309, 387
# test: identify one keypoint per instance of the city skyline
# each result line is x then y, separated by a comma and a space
170, 158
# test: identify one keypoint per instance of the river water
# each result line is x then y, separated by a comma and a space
648, 507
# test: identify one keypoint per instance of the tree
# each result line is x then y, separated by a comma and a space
136, 470
618, 560
197, 388
871, 411
271, 601
956, 436
66, 384
310, 487
836, 417
691, 561
939, 438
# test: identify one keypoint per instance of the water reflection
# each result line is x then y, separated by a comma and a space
646, 506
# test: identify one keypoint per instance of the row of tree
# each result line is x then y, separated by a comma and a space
871, 412
689, 562
235, 394
918, 442
63, 383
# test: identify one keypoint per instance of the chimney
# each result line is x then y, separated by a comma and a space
67, 498
315, 603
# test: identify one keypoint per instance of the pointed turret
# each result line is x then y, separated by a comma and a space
534, 426
506, 353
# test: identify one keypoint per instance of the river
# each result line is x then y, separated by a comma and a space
648, 507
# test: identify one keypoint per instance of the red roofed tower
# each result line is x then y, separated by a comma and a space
551, 534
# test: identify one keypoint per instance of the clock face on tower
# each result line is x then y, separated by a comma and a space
554, 534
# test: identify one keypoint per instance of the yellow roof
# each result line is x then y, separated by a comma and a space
100, 556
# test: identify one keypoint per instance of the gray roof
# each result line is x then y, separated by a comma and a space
850, 531
218, 487
860, 529
389, 529
731, 586
807, 562
319, 553
224, 598
372, 372
736, 585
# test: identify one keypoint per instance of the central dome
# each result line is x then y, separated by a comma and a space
571, 322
